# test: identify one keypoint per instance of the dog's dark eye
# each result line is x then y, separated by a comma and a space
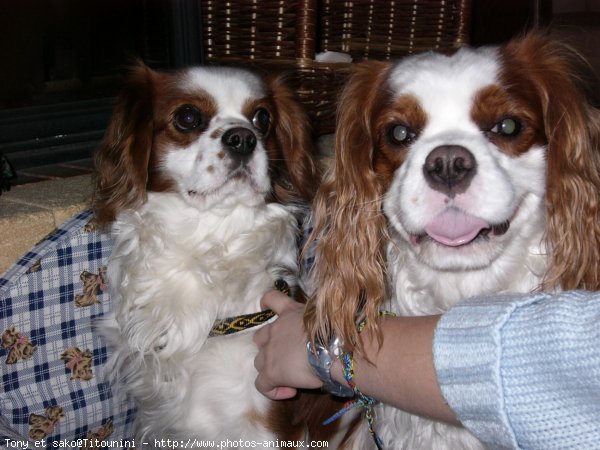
400, 135
261, 120
188, 118
508, 127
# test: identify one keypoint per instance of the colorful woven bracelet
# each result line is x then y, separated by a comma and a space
362, 400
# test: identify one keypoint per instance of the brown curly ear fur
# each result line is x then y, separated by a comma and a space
294, 138
569, 103
350, 227
121, 161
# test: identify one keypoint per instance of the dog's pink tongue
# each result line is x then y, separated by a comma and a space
454, 228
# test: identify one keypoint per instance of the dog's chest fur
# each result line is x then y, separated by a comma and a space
172, 275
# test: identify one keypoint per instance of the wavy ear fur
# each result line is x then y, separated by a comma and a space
570, 105
121, 161
294, 137
349, 223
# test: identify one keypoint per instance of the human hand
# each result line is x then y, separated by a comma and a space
281, 361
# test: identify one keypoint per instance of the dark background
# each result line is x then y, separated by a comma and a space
63, 63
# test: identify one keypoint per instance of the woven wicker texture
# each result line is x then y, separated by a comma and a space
286, 36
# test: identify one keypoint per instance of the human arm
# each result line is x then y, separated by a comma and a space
524, 370
400, 373
519, 371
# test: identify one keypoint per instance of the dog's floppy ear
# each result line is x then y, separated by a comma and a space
350, 228
570, 103
121, 161
294, 137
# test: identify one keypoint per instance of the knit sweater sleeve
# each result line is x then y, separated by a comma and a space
523, 371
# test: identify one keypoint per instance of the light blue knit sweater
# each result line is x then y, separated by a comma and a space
523, 371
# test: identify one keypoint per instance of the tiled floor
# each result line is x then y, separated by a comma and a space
29, 212
54, 171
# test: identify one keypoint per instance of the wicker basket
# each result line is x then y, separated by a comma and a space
286, 35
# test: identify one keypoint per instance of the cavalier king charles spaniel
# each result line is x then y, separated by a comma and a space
454, 176
202, 176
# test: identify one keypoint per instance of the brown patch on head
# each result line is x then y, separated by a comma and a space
557, 83
404, 111
169, 99
512, 99
167, 106
210, 169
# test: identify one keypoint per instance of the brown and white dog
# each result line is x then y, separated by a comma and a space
456, 175
202, 175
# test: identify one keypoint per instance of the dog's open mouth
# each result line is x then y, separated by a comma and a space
454, 228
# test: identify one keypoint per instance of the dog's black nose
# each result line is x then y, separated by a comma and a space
449, 169
239, 141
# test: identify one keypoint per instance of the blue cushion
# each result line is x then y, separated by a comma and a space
52, 361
